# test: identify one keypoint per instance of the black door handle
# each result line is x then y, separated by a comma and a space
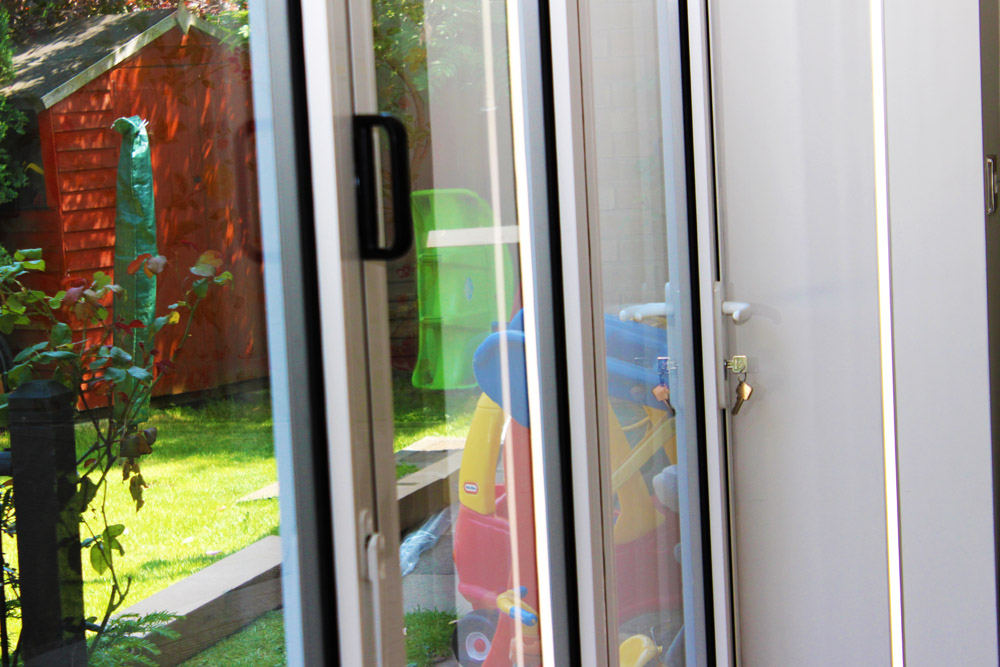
367, 192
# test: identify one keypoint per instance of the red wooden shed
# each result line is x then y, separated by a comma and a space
174, 70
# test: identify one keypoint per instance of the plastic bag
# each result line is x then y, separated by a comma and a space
421, 540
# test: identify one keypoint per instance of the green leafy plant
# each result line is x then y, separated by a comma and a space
232, 17
128, 640
79, 350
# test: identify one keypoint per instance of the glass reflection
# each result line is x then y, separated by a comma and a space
461, 419
133, 350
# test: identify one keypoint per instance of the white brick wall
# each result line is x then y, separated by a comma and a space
628, 149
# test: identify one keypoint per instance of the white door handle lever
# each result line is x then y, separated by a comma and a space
740, 311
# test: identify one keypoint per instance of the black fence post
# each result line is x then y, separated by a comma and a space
43, 454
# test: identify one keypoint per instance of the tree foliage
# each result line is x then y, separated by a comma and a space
12, 120
403, 32
30, 15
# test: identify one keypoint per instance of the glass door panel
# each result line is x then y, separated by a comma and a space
140, 341
635, 136
461, 421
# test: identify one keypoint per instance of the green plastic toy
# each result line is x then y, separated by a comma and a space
456, 288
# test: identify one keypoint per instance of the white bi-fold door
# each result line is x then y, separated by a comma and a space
522, 414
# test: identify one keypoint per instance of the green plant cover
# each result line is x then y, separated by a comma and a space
456, 288
135, 232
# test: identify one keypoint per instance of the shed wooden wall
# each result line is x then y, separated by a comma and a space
196, 95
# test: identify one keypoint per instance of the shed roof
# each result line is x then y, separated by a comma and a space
53, 64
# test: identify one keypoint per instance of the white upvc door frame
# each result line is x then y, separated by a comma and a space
585, 346
330, 98
718, 477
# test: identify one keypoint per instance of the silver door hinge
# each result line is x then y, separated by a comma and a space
992, 185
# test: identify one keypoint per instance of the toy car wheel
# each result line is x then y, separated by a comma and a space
474, 636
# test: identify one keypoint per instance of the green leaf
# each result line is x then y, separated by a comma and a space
37, 265
29, 253
101, 314
86, 493
19, 375
28, 351
120, 358
115, 375
61, 334
110, 535
6, 324
223, 278
200, 288
14, 305
140, 374
101, 279
155, 327
97, 558
56, 300
57, 355
104, 352
97, 363
4, 414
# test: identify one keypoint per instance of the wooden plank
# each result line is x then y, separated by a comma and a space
90, 260
88, 276
206, 628
102, 238
166, 78
85, 101
101, 84
88, 199
79, 160
217, 601
94, 179
89, 220
156, 55
83, 120
83, 140
428, 490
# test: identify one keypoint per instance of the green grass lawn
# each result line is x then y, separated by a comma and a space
204, 460
428, 636
260, 644
419, 413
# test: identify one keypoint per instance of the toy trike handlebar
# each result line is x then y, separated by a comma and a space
633, 351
